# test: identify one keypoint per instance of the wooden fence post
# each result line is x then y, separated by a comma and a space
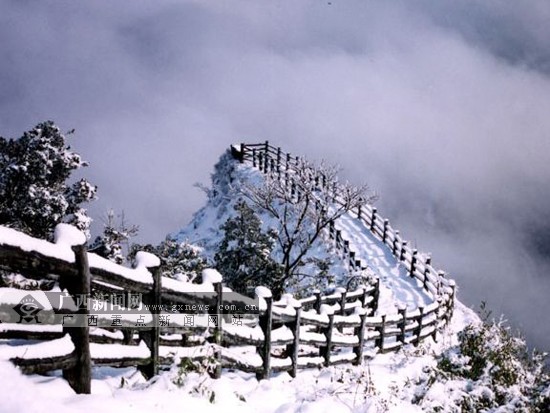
439, 306
151, 337
382, 334
317, 304
376, 296
128, 336
338, 239
254, 157
451, 301
427, 271
279, 159
346, 246
373, 219
266, 322
325, 351
266, 160
440, 275
413, 261
385, 230
419, 327
286, 181
287, 161
364, 297
359, 211
402, 253
403, 312
395, 241
79, 377
243, 149
295, 346
360, 333
343, 303
218, 330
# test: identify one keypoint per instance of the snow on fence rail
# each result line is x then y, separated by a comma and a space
286, 326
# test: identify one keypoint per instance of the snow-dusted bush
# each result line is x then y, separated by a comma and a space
490, 370
179, 260
194, 376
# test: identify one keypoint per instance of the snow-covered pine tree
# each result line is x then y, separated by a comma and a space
244, 255
34, 193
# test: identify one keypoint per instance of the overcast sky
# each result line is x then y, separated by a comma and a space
443, 107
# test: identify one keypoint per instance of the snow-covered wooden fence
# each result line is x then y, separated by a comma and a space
76, 349
68, 263
321, 330
270, 159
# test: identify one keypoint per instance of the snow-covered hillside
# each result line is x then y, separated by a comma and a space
473, 366
205, 230
397, 288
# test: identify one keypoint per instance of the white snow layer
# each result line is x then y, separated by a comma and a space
146, 260
212, 276
65, 234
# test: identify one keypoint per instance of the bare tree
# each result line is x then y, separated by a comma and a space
303, 201
113, 243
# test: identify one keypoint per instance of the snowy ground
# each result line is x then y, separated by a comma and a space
382, 384
396, 287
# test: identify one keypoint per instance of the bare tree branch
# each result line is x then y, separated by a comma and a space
303, 201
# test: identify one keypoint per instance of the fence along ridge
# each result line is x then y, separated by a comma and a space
279, 161
268, 158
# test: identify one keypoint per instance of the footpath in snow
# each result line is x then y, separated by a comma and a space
397, 288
